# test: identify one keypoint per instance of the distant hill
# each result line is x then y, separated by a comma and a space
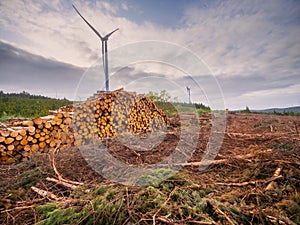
295, 109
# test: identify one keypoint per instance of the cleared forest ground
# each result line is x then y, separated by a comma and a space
255, 179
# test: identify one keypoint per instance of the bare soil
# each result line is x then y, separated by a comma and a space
254, 147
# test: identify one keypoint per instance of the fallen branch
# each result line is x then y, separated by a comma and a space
30, 202
273, 179
128, 206
280, 220
200, 222
272, 184
250, 182
18, 208
45, 194
164, 220
275, 220
51, 156
215, 204
277, 172
225, 215
223, 161
279, 135
61, 200
204, 163
66, 184
239, 184
163, 205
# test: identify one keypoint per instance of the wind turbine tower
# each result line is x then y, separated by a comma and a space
104, 40
189, 94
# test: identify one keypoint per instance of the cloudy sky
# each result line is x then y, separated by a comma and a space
235, 53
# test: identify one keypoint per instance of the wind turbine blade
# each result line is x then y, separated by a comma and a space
107, 36
98, 34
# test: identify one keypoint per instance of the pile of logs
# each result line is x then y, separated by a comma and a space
106, 114
19, 139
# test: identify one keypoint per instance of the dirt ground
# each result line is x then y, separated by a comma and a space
257, 171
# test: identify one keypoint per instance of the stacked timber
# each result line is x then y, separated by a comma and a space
108, 114
105, 114
20, 139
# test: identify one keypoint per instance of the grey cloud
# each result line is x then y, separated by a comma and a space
259, 91
251, 46
21, 70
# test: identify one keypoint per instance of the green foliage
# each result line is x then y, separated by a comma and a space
56, 215
103, 206
23, 104
5, 117
163, 96
155, 176
45, 210
177, 197
163, 101
26, 179
29, 178
247, 110
171, 106
285, 113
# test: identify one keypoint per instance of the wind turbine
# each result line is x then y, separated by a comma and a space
104, 40
189, 93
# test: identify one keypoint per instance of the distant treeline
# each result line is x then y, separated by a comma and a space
192, 105
27, 106
282, 112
